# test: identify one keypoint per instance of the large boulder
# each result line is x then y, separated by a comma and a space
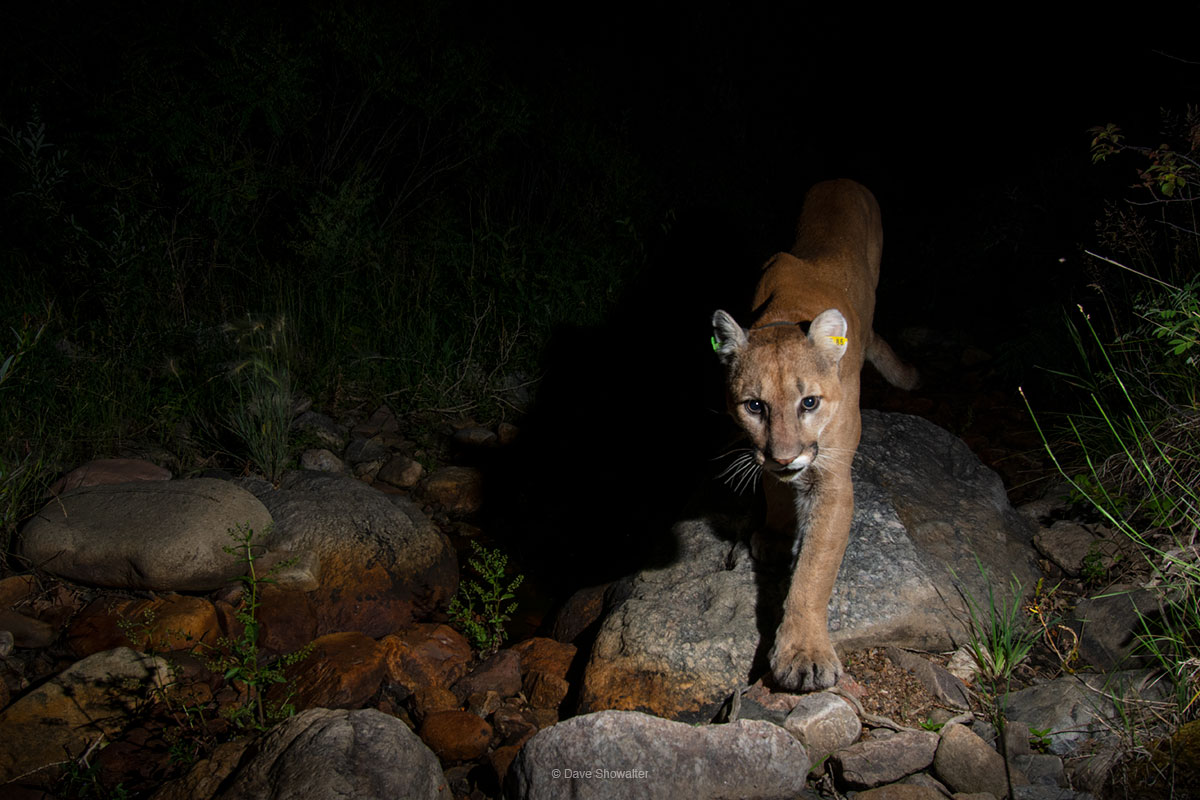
322, 754
383, 562
678, 639
627, 754
159, 535
62, 718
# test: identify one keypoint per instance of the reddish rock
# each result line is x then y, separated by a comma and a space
545, 690
343, 671
431, 699
428, 654
16, 590
109, 470
459, 490
513, 725
456, 735
358, 597
286, 619
547, 656
170, 622
27, 631
500, 759
500, 673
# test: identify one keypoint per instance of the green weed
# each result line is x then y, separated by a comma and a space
481, 610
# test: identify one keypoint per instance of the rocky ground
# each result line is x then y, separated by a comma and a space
121, 641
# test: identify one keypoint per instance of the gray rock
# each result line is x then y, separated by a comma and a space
1042, 769
382, 561
1077, 708
1108, 625
7, 642
324, 754
58, 720
631, 755
322, 428
401, 472
321, 460
934, 677
679, 639
823, 723
1066, 544
968, 764
367, 451
874, 762
160, 535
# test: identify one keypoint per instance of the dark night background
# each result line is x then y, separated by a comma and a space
609, 173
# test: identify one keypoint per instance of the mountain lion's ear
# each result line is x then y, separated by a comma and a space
828, 334
728, 336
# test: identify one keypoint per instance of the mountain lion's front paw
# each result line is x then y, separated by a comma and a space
804, 666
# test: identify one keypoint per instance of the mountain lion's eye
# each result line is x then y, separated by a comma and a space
810, 403
755, 407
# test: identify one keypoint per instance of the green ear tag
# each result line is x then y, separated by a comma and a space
716, 345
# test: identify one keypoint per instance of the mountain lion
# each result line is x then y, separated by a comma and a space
795, 393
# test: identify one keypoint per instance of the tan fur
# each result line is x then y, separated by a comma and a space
775, 372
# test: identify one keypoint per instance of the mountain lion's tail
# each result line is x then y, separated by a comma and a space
890, 366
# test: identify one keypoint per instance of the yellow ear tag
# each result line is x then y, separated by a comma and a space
840, 341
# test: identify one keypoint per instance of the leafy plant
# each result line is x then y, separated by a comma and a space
1039, 739
238, 658
481, 610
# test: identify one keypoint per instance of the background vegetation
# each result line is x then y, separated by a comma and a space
342, 201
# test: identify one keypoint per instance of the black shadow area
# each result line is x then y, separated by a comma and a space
627, 419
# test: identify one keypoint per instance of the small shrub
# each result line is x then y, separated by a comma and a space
481, 610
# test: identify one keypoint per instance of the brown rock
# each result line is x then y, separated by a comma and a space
343, 671
475, 436
459, 490
543, 717
286, 619
401, 471
62, 717
581, 611
968, 764
16, 589
456, 735
382, 420
432, 699
500, 673
205, 777
109, 470
545, 690
27, 631
512, 724
507, 433
484, 704
429, 654
358, 597
162, 624
500, 759
547, 656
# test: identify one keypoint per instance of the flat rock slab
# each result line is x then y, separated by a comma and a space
159, 535
678, 639
627, 754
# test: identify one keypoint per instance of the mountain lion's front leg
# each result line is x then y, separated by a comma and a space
803, 657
